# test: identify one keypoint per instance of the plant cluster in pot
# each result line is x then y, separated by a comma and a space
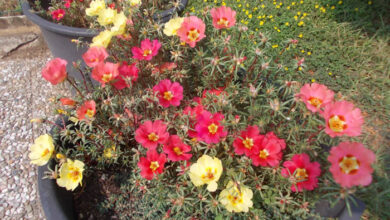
64, 23
180, 128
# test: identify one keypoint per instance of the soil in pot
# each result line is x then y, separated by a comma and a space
101, 187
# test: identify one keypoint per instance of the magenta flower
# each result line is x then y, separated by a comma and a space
247, 141
209, 127
150, 134
147, 50
126, 72
176, 149
168, 93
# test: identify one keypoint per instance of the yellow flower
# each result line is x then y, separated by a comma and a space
275, 46
106, 16
206, 170
135, 3
236, 198
119, 24
109, 152
41, 150
172, 26
102, 40
95, 7
71, 174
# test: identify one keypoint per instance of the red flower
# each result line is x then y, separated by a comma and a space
301, 172
223, 17
87, 109
105, 72
169, 93
126, 72
67, 101
342, 118
67, 3
55, 71
209, 128
150, 134
351, 164
94, 56
246, 142
147, 50
192, 30
176, 149
152, 164
58, 14
193, 113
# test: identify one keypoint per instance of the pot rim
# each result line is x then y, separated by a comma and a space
51, 26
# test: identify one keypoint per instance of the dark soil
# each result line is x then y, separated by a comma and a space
99, 186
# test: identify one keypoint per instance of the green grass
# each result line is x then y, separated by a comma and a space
345, 45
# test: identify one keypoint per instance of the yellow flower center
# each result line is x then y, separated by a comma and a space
89, 113
107, 77
316, 102
223, 22
337, 123
147, 52
209, 175
60, 15
301, 174
177, 151
235, 198
154, 165
168, 95
349, 164
213, 128
93, 60
263, 154
248, 143
45, 152
193, 34
74, 174
153, 137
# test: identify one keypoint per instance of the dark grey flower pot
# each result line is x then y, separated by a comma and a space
340, 210
58, 37
57, 203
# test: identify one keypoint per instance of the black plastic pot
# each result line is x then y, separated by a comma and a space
340, 210
57, 202
58, 38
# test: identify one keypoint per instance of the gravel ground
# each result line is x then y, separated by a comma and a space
24, 95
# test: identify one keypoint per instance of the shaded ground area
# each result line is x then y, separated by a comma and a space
24, 95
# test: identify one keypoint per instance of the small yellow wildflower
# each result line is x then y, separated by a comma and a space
171, 27
262, 6
340, 2
109, 152
333, 7
369, 2
288, 7
250, 16
300, 68
302, 51
309, 53
71, 174
330, 73
286, 68
301, 23
293, 3
316, 6
206, 170
300, 35
287, 24
41, 150
356, 9
275, 46
236, 198
313, 80
261, 23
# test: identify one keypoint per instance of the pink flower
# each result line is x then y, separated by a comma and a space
67, 102
193, 113
176, 149
152, 164
147, 50
87, 109
58, 14
247, 141
342, 118
209, 128
301, 172
105, 72
67, 3
168, 93
223, 17
128, 72
192, 30
315, 96
351, 164
94, 56
55, 71
150, 134
269, 151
